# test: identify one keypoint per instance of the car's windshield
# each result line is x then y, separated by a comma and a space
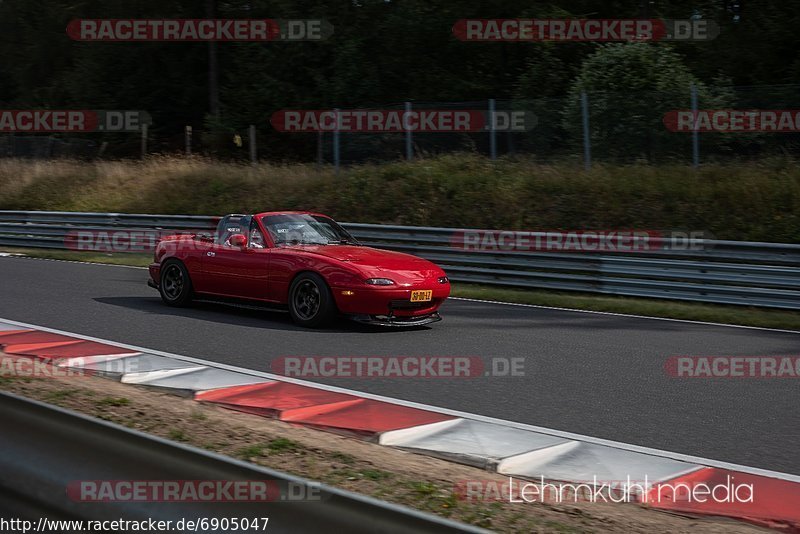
305, 229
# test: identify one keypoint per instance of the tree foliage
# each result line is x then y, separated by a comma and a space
381, 52
629, 88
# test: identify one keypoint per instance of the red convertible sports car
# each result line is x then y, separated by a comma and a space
302, 261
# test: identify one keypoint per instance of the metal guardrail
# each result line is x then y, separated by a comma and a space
720, 272
46, 450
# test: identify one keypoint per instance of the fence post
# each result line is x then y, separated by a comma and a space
695, 136
492, 132
188, 133
336, 134
587, 143
252, 135
409, 135
320, 148
144, 141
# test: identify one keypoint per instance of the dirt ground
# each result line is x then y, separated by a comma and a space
414, 480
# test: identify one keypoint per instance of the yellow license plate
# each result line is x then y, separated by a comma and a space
423, 295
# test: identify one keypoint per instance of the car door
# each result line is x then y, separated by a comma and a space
236, 271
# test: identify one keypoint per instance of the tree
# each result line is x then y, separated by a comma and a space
630, 87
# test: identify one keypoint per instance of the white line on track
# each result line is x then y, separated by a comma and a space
455, 413
499, 303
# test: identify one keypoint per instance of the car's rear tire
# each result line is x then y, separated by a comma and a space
176, 285
311, 302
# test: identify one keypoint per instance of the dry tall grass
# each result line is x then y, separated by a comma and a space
744, 201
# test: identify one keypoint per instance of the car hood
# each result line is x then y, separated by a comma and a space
379, 263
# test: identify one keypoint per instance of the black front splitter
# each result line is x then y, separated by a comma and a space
386, 320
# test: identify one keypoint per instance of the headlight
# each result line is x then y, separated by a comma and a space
443, 280
380, 282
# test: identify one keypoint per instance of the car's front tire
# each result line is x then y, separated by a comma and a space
310, 301
176, 285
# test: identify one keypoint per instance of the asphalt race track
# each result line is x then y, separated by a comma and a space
594, 374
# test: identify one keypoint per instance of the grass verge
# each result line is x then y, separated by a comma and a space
672, 309
132, 259
758, 201
417, 481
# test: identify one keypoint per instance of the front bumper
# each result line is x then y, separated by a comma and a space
389, 301
393, 320
155, 274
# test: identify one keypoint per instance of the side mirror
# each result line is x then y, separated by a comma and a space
238, 240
